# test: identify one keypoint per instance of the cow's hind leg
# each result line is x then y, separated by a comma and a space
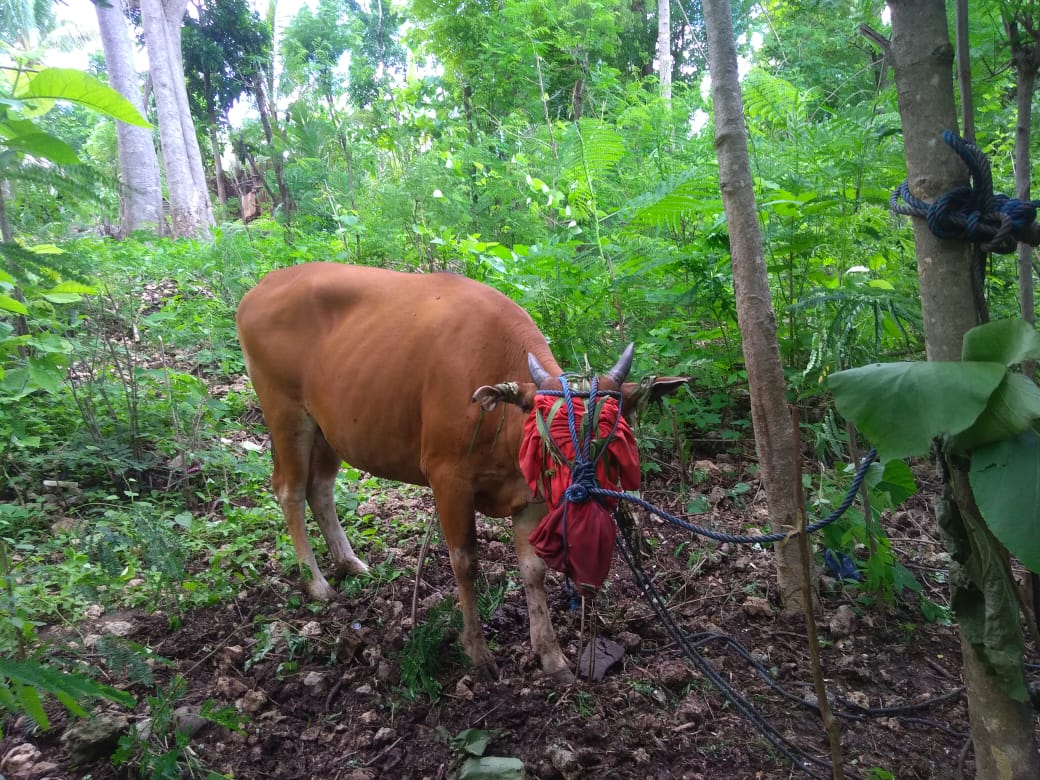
456, 512
532, 570
321, 481
292, 439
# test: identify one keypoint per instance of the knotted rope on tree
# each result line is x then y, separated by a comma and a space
973, 213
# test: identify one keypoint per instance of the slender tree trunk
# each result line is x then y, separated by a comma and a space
774, 432
185, 176
922, 57
964, 70
269, 124
214, 141
1025, 56
140, 191
664, 47
5, 223
218, 165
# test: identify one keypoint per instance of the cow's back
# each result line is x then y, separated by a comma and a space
386, 364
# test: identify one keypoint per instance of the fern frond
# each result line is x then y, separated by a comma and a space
33, 269
129, 660
681, 195
773, 101
23, 682
80, 182
591, 149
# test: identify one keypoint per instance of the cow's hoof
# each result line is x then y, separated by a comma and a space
320, 590
562, 678
487, 670
354, 566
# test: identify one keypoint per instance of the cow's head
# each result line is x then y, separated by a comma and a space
636, 396
564, 458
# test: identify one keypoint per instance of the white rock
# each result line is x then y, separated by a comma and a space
118, 627
844, 621
20, 760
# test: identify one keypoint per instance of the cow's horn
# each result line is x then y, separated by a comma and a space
538, 374
620, 370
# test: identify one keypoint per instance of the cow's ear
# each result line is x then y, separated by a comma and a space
638, 395
519, 393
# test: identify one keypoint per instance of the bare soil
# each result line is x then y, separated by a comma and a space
325, 697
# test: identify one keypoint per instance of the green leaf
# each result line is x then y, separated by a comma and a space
15, 384
73, 287
45, 375
492, 768
1011, 410
12, 127
474, 741
44, 145
901, 407
1013, 515
895, 480
61, 297
1002, 341
82, 88
7, 303
50, 249
28, 701
46, 679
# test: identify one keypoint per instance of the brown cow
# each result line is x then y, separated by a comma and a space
378, 368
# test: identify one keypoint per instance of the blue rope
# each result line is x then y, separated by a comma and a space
584, 486
583, 468
973, 213
718, 536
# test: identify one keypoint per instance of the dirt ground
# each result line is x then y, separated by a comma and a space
322, 695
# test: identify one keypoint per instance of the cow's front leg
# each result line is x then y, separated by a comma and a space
532, 570
456, 513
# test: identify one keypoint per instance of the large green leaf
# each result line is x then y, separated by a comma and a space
1011, 410
78, 87
901, 407
43, 145
1002, 341
1005, 478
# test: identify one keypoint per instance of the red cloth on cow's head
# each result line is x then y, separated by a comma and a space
577, 538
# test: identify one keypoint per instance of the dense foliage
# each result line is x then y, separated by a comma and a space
522, 143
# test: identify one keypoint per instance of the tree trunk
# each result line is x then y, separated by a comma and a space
218, 165
140, 190
214, 140
269, 122
664, 47
774, 431
922, 57
185, 176
1025, 56
5, 223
